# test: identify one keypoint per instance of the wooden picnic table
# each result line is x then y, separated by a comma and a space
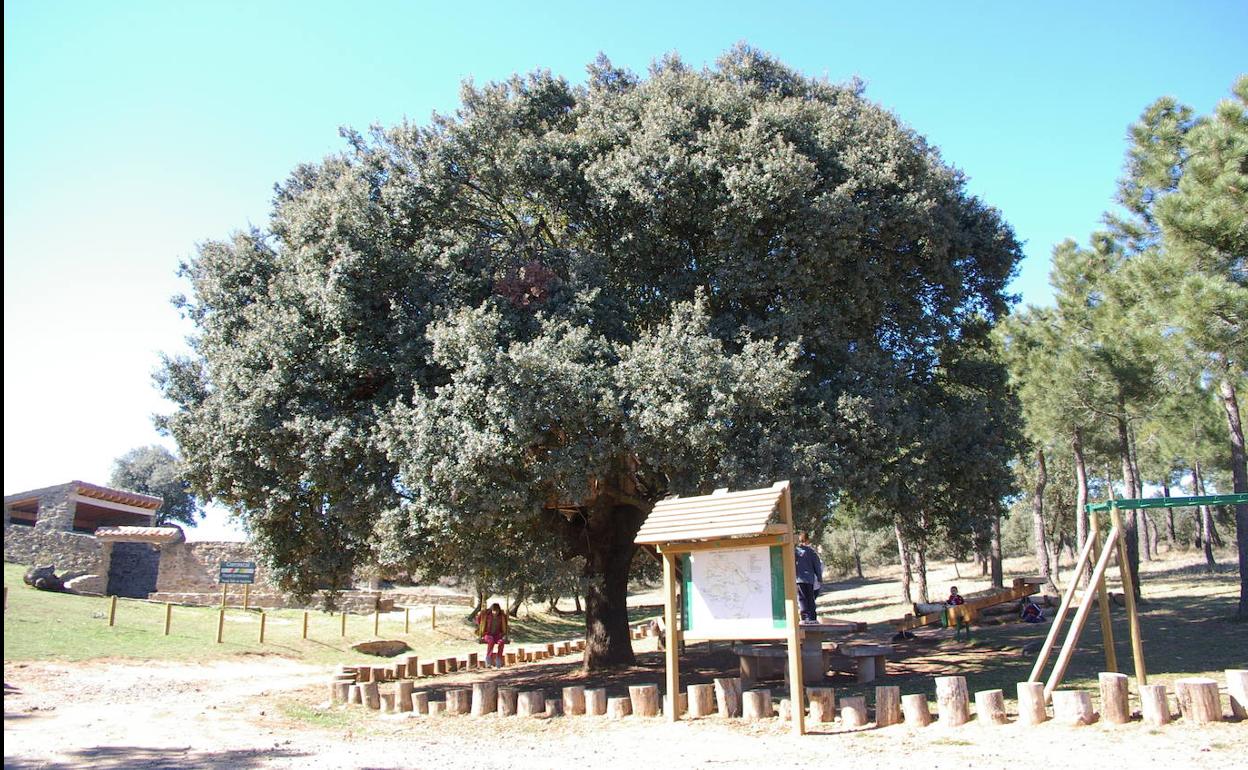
820, 652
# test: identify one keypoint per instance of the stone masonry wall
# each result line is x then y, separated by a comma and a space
195, 567
70, 552
57, 508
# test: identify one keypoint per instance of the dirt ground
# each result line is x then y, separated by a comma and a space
269, 713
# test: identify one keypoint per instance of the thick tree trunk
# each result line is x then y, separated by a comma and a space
1206, 519
920, 571
853, 535
513, 609
998, 578
903, 555
1130, 522
1037, 522
1239, 485
578, 609
604, 536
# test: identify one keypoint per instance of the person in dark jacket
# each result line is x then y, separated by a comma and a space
809, 577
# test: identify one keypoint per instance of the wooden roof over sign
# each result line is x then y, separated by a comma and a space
722, 514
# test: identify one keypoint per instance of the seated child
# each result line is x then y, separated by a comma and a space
1031, 612
955, 598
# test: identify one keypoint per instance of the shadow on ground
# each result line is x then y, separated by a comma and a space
147, 758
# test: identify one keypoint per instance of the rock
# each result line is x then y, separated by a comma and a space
43, 578
384, 648
86, 584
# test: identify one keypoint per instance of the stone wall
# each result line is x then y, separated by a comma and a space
57, 508
195, 567
72, 553
132, 570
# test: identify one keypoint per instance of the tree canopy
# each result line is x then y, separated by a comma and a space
154, 470
564, 302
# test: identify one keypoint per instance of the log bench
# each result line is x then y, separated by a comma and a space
766, 661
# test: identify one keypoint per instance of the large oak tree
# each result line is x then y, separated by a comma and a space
564, 302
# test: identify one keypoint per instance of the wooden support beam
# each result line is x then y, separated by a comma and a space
1056, 626
1128, 592
1081, 618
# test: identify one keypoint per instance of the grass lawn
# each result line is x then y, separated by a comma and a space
39, 625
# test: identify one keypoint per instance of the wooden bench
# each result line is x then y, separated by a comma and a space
763, 661
965, 614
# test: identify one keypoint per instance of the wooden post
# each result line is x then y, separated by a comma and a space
990, 707
364, 673
305, 625
507, 697
1081, 619
223, 586
168, 617
823, 703
797, 681
1128, 593
574, 700
263, 617
404, 691
728, 695
458, 701
701, 699
756, 704
1154, 705
596, 701
388, 704
618, 708
220, 625
428, 669
532, 703
341, 689
1198, 698
1115, 708
952, 700
372, 695
914, 706
246, 596
433, 616
854, 711
671, 652
1102, 601
413, 666
376, 621
887, 705
420, 702
1073, 707
1055, 628
1031, 703
112, 610
645, 698
484, 698
1237, 691
355, 694
554, 707
437, 708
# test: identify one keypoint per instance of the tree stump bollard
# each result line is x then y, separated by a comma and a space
728, 696
1073, 707
473, 660
413, 666
400, 671
596, 701
341, 690
554, 708
1237, 691
440, 666
387, 702
756, 705
1031, 705
915, 708
428, 669
363, 674
531, 703
510, 658
379, 674
507, 697
822, 703
484, 698
990, 707
1154, 704
1199, 702
701, 699
458, 701
618, 708
952, 701
854, 711
1115, 708
372, 696
355, 694
420, 702
645, 698
887, 705
574, 700
403, 702
437, 708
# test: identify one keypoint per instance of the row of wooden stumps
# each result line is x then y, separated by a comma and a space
410, 667
1199, 702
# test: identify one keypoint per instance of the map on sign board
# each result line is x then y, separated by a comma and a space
237, 572
733, 591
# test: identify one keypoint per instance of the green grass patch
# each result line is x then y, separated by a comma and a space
39, 625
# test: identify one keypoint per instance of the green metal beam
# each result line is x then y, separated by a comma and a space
1133, 503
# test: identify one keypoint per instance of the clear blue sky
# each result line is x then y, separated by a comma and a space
134, 130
